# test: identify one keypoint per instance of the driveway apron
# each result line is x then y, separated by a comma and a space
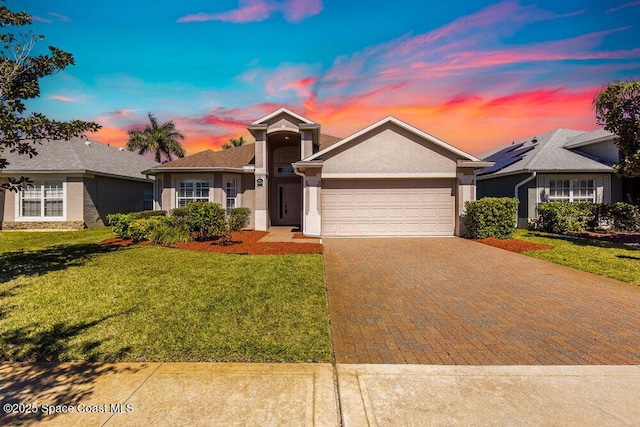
454, 301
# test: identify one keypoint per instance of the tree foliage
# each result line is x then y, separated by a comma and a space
159, 139
618, 110
233, 142
20, 72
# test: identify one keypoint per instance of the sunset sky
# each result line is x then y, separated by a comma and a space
474, 73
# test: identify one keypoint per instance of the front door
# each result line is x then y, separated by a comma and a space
289, 204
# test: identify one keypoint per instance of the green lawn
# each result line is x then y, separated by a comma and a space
603, 258
63, 296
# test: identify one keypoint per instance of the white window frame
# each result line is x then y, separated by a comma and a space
193, 198
42, 197
226, 179
573, 189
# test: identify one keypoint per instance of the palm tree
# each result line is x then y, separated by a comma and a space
158, 139
233, 142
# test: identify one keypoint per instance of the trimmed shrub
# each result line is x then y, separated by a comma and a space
491, 217
621, 216
148, 214
141, 229
239, 218
566, 217
206, 220
178, 215
167, 234
119, 223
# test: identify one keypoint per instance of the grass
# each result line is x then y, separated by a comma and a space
63, 296
604, 258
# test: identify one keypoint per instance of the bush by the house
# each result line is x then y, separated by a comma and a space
147, 214
566, 217
491, 217
239, 218
141, 229
119, 223
168, 234
621, 216
206, 220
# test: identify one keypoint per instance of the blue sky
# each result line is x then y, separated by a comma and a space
476, 74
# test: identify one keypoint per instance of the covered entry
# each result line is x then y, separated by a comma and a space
391, 207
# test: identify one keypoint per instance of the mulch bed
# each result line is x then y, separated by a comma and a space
302, 236
242, 242
513, 245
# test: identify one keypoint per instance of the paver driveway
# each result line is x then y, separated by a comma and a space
454, 301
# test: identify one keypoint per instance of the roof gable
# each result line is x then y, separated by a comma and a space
405, 126
278, 112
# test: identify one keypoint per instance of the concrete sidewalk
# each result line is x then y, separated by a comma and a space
206, 394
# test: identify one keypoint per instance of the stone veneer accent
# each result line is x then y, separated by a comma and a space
42, 225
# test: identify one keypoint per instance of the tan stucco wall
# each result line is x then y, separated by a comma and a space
389, 149
75, 199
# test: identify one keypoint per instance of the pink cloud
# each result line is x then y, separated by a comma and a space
259, 10
622, 6
61, 98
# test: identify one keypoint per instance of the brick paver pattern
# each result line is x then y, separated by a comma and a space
454, 301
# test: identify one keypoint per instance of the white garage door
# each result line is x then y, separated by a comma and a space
422, 207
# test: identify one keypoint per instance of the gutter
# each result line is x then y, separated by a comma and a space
520, 184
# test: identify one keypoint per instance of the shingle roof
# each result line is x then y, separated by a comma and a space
233, 158
80, 156
549, 154
587, 137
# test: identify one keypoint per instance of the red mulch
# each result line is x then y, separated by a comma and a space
242, 242
513, 245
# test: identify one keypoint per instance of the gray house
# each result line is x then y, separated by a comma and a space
559, 165
389, 179
76, 184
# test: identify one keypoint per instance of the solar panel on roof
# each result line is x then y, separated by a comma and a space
507, 157
503, 152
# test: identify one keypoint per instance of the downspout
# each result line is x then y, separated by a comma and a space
304, 199
520, 184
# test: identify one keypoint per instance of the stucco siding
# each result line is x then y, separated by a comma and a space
75, 195
104, 196
389, 149
248, 196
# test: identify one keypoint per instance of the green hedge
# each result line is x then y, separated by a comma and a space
491, 217
141, 229
206, 221
566, 217
239, 218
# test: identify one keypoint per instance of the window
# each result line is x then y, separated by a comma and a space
192, 191
148, 199
572, 190
232, 194
45, 199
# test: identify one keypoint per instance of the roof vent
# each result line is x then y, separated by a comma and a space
534, 140
121, 149
87, 143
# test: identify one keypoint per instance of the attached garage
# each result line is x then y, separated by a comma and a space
390, 207
389, 179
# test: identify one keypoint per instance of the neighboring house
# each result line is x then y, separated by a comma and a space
559, 165
389, 179
76, 184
